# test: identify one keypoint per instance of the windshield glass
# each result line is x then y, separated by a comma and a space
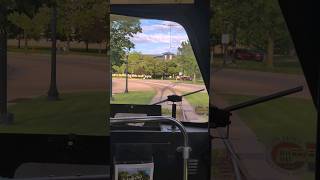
152, 59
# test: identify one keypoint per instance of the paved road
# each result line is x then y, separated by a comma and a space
163, 89
257, 83
29, 76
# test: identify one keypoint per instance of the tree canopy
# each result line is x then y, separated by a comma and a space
256, 24
121, 31
82, 21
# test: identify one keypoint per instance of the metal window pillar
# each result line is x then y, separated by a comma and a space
5, 117
53, 93
318, 127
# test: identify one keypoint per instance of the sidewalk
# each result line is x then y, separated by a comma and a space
252, 153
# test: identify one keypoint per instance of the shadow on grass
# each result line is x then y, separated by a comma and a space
82, 113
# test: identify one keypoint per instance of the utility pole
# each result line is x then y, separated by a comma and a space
53, 93
127, 68
5, 117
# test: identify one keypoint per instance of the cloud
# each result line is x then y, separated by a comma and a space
159, 38
162, 26
153, 50
155, 37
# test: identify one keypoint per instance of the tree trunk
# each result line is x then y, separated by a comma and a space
19, 41
100, 48
194, 77
25, 41
234, 41
68, 44
270, 50
292, 52
87, 46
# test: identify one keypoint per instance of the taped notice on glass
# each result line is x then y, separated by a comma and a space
134, 171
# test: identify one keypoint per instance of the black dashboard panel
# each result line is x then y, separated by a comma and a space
161, 146
17, 149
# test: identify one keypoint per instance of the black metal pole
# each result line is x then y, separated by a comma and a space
264, 99
174, 110
109, 63
5, 117
127, 68
174, 114
53, 93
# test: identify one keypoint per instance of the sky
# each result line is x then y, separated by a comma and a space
155, 37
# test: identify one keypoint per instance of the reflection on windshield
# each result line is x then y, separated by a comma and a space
253, 56
59, 94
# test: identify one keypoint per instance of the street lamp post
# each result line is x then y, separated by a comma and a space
53, 93
127, 68
5, 117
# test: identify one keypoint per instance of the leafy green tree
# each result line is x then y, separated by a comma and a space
172, 68
253, 24
66, 23
150, 65
265, 25
89, 17
187, 61
32, 27
122, 30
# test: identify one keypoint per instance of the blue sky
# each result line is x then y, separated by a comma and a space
155, 37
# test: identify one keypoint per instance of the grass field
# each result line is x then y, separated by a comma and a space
281, 118
282, 64
134, 97
80, 113
285, 117
200, 101
47, 50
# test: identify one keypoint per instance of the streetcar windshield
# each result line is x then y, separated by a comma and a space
153, 60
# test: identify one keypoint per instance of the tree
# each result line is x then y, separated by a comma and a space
187, 61
150, 65
255, 24
89, 17
66, 20
32, 26
15, 32
122, 30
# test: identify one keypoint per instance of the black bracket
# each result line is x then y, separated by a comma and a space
221, 117
174, 98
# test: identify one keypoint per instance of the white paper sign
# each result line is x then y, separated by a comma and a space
225, 39
134, 171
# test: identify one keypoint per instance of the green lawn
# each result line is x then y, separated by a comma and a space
292, 118
200, 101
284, 117
134, 97
80, 113
282, 64
47, 50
